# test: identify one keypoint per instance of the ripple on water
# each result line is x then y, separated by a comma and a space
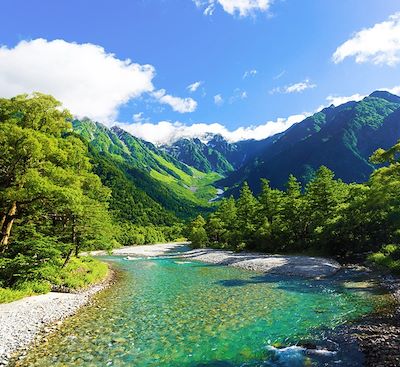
180, 313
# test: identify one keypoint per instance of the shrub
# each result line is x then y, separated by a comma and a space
388, 258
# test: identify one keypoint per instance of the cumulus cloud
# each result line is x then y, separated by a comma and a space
166, 132
242, 8
88, 80
379, 44
338, 100
249, 73
194, 86
395, 90
181, 105
294, 88
218, 100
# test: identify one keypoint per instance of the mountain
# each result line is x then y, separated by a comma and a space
217, 154
341, 138
155, 183
199, 155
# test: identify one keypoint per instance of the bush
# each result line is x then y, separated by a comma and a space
388, 258
78, 274
23, 289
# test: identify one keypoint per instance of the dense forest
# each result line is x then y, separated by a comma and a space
326, 217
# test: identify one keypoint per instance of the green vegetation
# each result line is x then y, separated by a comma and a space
387, 258
341, 138
77, 274
52, 205
327, 216
61, 194
203, 157
164, 189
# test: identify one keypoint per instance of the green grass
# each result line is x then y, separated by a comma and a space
202, 182
388, 258
78, 274
24, 290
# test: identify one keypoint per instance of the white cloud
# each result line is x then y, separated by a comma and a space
88, 80
139, 117
218, 100
395, 90
299, 87
194, 86
242, 8
379, 44
166, 132
338, 100
181, 105
249, 73
294, 88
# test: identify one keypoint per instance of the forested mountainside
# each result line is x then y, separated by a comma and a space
341, 138
148, 185
216, 153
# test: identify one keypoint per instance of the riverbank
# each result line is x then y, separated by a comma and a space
378, 335
22, 321
303, 266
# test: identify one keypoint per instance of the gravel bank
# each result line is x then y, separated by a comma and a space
379, 335
304, 266
23, 320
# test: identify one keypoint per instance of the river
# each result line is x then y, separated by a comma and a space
171, 312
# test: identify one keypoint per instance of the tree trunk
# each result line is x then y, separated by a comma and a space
2, 220
68, 257
77, 248
7, 223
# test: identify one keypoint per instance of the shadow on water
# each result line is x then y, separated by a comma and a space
345, 280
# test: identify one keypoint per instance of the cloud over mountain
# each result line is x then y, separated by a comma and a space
165, 132
379, 44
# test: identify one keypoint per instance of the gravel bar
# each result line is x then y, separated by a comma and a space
23, 320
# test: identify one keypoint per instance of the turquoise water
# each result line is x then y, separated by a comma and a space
166, 312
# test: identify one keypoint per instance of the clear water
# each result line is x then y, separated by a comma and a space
166, 312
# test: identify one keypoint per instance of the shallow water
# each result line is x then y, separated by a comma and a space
166, 312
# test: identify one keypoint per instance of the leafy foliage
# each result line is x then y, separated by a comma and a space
51, 203
326, 216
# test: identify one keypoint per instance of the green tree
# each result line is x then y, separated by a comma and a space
324, 198
247, 215
49, 197
197, 233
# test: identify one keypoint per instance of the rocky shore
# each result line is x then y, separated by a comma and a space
304, 266
22, 321
378, 335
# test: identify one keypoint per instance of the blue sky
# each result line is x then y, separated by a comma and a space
285, 46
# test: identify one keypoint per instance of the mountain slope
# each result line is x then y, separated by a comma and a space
341, 138
199, 155
217, 154
178, 188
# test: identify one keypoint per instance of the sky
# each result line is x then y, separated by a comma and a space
165, 69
